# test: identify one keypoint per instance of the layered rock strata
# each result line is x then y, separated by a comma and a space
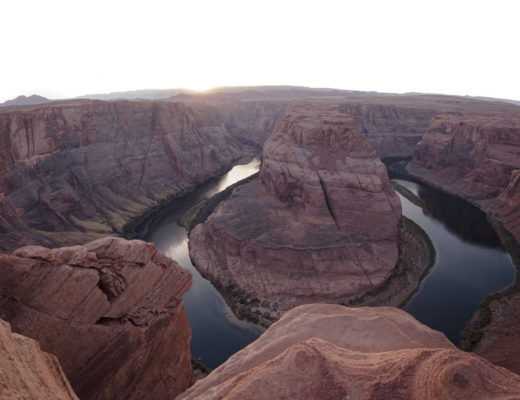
334, 352
477, 157
500, 342
111, 311
72, 171
27, 372
320, 223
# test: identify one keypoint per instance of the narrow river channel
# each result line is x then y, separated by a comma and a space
470, 265
216, 332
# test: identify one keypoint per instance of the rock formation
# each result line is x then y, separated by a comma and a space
111, 311
477, 157
500, 342
73, 171
320, 223
333, 352
26, 372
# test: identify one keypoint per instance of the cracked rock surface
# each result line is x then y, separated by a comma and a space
110, 310
320, 223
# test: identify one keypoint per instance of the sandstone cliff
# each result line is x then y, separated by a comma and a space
26, 372
334, 352
320, 223
477, 157
111, 311
394, 124
75, 170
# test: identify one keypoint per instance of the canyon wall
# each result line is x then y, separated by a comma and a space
27, 372
111, 311
77, 170
392, 130
477, 157
333, 352
320, 224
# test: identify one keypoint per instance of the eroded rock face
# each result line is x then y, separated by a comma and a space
500, 343
478, 157
111, 311
27, 372
392, 130
320, 223
333, 352
73, 171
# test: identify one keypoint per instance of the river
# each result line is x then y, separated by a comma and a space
470, 265
216, 332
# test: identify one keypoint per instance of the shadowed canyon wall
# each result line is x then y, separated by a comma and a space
477, 157
76, 170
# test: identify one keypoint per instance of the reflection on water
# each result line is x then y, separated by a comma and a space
470, 263
463, 219
216, 332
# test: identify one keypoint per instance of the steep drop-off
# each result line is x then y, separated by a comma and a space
76, 170
477, 157
336, 353
320, 224
111, 311
26, 372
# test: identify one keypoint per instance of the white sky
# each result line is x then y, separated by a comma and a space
69, 48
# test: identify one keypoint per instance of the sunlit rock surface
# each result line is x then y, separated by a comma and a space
111, 311
26, 372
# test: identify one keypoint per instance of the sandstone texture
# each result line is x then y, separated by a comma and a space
26, 372
111, 311
320, 223
394, 124
76, 170
500, 342
333, 352
477, 157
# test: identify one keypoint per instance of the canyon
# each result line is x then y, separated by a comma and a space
321, 222
79, 170
333, 352
477, 157
111, 311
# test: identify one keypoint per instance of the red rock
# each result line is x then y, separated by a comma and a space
111, 311
333, 352
77, 170
320, 223
477, 157
27, 372
500, 343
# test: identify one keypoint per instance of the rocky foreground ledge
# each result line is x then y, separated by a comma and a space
320, 224
333, 352
26, 372
111, 311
